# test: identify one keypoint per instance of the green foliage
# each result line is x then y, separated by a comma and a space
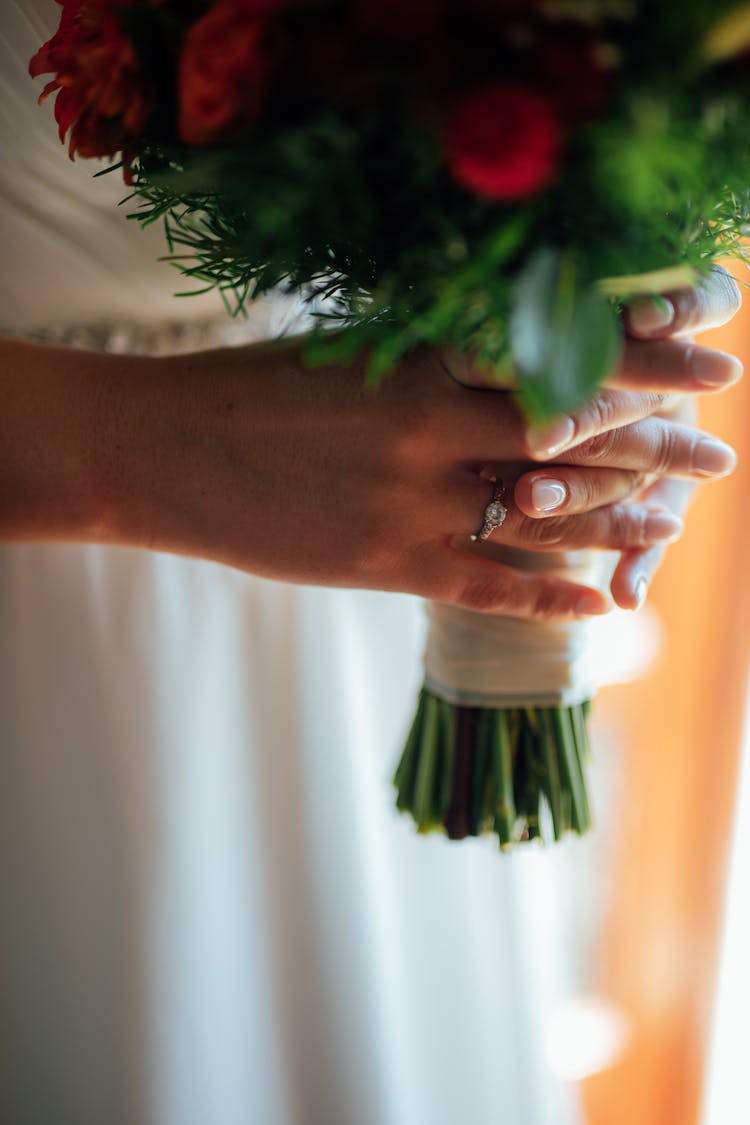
562, 336
353, 205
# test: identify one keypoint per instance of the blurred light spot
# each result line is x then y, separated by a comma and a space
623, 646
584, 1037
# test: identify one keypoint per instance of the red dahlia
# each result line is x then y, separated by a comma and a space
224, 68
503, 142
103, 101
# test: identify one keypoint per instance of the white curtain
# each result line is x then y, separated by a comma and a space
726, 1100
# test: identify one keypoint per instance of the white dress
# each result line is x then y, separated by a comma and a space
212, 914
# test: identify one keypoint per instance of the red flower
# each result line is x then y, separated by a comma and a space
503, 142
102, 99
224, 68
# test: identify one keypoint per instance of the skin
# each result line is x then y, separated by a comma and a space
663, 332
246, 457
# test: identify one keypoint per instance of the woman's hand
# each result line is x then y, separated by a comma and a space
247, 457
656, 358
250, 458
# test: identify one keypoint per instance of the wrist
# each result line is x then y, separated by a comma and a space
61, 465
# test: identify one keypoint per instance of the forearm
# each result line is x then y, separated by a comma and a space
167, 453
59, 442
248, 457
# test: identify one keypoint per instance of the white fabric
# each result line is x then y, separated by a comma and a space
212, 914
480, 660
63, 232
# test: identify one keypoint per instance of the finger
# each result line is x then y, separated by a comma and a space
480, 422
607, 410
473, 581
568, 491
613, 527
475, 425
660, 369
709, 304
668, 362
635, 569
617, 527
633, 575
658, 446
674, 366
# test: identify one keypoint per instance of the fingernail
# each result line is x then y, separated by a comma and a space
546, 441
640, 589
713, 458
591, 604
662, 525
715, 369
547, 494
649, 315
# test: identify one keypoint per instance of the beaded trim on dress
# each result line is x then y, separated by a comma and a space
271, 318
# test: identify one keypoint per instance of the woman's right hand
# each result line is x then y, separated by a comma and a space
251, 458
248, 457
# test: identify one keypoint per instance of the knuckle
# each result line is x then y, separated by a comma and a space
665, 450
548, 532
639, 479
636, 481
546, 603
597, 449
656, 401
497, 595
626, 526
601, 412
485, 595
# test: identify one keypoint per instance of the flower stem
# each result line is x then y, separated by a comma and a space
469, 771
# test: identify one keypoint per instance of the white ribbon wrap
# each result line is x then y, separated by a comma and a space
482, 660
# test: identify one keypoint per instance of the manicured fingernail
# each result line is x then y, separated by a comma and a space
649, 315
640, 589
715, 369
546, 441
713, 458
591, 604
662, 525
547, 494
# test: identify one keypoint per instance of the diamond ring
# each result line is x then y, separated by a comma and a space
494, 513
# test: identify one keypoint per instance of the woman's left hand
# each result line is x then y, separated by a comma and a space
574, 486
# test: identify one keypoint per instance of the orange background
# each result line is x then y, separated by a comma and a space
682, 728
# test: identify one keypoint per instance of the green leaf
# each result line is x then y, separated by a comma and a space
564, 337
506, 240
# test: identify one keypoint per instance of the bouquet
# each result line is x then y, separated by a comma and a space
494, 178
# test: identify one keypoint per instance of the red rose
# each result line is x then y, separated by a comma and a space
102, 99
503, 142
225, 62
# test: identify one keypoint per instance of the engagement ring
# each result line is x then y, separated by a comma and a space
494, 513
